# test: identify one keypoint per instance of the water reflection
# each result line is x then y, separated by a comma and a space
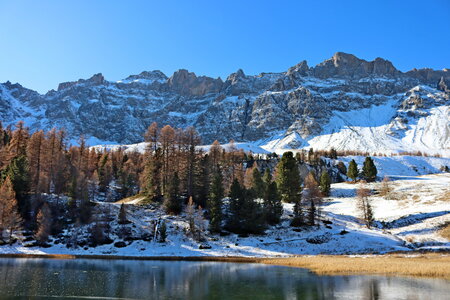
199, 280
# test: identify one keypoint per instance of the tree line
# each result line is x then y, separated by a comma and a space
237, 192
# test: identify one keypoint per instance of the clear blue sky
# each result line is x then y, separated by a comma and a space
46, 42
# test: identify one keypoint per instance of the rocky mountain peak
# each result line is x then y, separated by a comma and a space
96, 79
187, 83
348, 65
301, 68
234, 77
152, 75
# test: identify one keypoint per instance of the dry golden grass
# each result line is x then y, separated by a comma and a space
424, 265
444, 196
445, 231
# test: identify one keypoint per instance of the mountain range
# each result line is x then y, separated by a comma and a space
344, 102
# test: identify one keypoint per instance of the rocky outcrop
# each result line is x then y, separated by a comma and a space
348, 65
443, 85
97, 79
187, 83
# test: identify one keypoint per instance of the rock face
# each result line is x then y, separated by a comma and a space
299, 102
348, 65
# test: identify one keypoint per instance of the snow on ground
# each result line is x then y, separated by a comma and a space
402, 165
140, 147
409, 219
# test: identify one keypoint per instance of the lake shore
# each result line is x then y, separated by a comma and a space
433, 265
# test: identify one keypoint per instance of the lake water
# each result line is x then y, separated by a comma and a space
128, 279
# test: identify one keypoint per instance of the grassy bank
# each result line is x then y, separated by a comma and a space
419, 265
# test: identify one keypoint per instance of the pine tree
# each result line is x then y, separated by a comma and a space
215, 202
258, 185
18, 172
325, 183
369, 170
352, 170
202, 181
236, 203
151, 176
289, 184
172, 200
44, 224
272, 200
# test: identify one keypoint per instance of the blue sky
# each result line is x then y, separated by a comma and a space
46, 42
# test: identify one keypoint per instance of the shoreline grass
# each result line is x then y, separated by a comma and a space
433, 265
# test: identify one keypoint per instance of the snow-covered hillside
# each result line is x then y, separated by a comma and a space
409, 219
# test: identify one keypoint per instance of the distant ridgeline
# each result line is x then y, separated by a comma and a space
344, 102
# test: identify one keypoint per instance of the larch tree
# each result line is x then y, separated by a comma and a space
10, 219
364, 205
18, 144
35, 152
167, 142
44, 224
313, 198
386, 188
151, 136
122, 217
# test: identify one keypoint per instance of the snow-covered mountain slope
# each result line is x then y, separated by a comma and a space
391, 127
409, 220
344, 102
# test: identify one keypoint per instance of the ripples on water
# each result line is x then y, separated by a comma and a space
127, 279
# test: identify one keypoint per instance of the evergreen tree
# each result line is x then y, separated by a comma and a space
202, 181
325, 183
272, 200
289, 184
369, 170
245, 214
18, 172
172, 202
258, 185
151, 180
352, 171
236, 196
215, 202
